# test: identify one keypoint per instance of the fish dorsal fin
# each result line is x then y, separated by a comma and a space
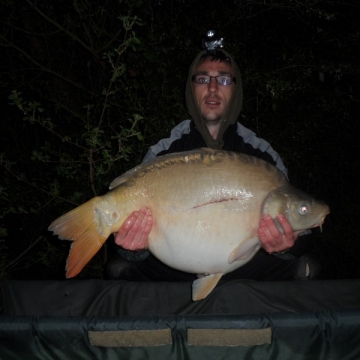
202, 287
128, 176
204, 155
245, 249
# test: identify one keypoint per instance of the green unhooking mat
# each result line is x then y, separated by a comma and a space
95, 319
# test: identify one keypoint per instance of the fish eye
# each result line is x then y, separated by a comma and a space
303, 209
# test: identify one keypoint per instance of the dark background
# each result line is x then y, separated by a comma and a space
87, 86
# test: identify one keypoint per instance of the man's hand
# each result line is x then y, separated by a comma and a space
272, 240
133, 233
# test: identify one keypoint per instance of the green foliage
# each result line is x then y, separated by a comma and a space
87, 87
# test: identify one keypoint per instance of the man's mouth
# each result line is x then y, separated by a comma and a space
212, 102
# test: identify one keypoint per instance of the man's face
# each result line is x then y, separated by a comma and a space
213, 98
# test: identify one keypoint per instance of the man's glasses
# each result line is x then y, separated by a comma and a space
220, 79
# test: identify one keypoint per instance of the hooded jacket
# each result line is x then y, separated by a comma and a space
233, 136
232, 112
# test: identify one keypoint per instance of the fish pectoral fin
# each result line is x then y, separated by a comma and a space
203, 286
244, 250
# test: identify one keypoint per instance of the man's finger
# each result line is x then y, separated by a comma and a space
285, 224
270, 225
133, 234
128, 223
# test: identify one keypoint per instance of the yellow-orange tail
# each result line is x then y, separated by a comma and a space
79, 225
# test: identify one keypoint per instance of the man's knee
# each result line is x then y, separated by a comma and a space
118, 268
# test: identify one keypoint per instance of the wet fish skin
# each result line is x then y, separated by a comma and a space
206, 206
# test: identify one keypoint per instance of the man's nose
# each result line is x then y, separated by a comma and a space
213, 85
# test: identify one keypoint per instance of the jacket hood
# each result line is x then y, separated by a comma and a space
231, 114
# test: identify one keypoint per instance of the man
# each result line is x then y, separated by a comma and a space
214, 100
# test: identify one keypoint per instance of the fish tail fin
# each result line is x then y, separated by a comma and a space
80, 226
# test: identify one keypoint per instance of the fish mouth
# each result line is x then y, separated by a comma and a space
320, 222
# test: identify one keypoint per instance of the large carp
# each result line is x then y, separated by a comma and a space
206, 206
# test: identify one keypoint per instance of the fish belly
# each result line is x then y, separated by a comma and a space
199, 240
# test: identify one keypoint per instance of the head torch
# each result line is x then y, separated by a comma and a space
211, 42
